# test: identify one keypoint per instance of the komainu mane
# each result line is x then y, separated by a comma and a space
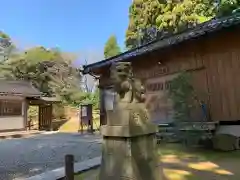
129, 89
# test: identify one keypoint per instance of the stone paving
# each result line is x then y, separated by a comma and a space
22, 158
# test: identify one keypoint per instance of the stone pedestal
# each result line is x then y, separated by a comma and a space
129, 145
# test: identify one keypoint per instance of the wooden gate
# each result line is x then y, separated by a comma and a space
45, 117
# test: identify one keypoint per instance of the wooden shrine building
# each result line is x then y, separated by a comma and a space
210, 52
15, 98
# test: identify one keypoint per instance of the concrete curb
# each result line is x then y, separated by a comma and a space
50, 132
60, 172
16, 135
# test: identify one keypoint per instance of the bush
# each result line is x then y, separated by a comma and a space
33, 113
58, 111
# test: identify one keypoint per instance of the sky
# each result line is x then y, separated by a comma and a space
79, 26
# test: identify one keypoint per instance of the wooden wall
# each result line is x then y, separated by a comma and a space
161, 67
222, 59
214, 62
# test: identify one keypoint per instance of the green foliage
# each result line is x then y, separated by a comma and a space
142, 15
183, 97
92, 98
4, 35
58, 111
32, 112
227, 7
170, 16
8, 49
188, 13
181, 93
96, 99
111, 47
48, 70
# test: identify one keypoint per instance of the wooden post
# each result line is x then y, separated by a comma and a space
50, 117
81, 119
90, 117
69, 167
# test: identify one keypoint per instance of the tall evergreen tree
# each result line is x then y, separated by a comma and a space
227, 7
111, 47
169, 16
142, 15
188, 13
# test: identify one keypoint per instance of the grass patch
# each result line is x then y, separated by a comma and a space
181, 163
199, 153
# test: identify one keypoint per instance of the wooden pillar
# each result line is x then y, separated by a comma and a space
40, 112
51, 116
69, 167
25, 113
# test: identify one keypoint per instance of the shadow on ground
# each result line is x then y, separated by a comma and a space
177, 163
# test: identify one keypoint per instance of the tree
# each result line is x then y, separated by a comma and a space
52, 72
47, 70
142, 15
111, 47
176, 17
4, 35
6, 47
92, 98
227, 7
168, 16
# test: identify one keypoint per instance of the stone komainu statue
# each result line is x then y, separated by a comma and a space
128, 88
129, 146
130, 92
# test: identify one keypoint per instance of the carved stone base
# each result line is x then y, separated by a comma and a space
132, 158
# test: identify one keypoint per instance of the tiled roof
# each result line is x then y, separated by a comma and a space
200, 30
22, 88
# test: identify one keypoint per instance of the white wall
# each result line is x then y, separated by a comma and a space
13, 122
8, 123
109, 99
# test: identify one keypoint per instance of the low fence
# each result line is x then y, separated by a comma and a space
186, 132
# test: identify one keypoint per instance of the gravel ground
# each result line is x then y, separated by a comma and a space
21, 158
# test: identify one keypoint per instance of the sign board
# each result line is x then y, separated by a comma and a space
158, 102
84, 111
86, 117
